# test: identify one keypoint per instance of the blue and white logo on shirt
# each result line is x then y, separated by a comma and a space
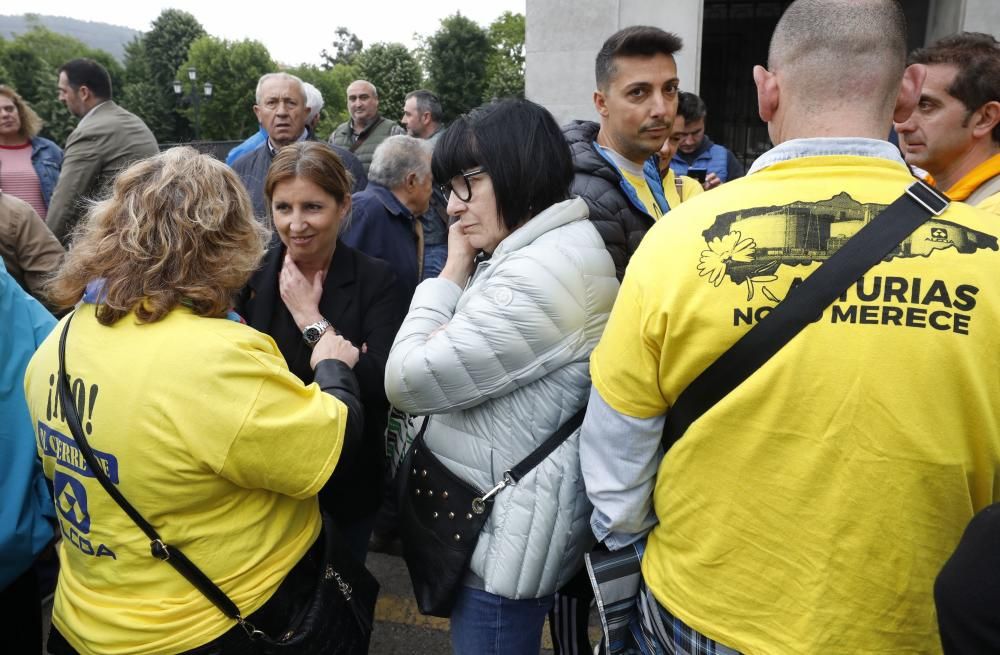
71, 501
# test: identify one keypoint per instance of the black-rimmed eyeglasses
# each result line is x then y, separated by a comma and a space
464, 189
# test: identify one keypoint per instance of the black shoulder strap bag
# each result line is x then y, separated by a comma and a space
338, 619
441, 516
615, 575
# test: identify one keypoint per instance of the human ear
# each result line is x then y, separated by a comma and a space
909, 92
989, 116
601, 103
767, 93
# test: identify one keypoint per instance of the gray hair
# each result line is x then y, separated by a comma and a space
267, 76
374, 88
314, 101
397, 157
426, 102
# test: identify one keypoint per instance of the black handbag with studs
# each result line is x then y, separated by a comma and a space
441, 516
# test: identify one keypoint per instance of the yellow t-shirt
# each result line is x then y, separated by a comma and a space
642, 190
810, 510
990, 204
690, 187
202, 427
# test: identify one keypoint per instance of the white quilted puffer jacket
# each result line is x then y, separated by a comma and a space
500, 366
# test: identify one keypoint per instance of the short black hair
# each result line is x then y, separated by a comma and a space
88, 73
523, 150
691, 107
635, 41
977, 58
426, 101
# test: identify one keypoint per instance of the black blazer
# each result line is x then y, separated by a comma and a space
365, 304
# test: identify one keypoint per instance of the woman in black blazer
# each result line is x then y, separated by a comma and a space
310, 282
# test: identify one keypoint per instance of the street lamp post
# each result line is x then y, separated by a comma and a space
193, 97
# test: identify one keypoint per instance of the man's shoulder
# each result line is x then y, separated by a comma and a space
387, 128
13, 208
250, 159
112, 114
339, 135
580, 134
41, 144
372, 200
111, 124
990, 204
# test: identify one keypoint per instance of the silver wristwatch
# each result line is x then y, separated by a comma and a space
314, 332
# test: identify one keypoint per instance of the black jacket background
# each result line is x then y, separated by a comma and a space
620, 223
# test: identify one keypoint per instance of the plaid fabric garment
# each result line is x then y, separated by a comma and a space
657, 632
615, 577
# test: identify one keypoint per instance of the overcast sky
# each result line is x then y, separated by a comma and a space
294, 32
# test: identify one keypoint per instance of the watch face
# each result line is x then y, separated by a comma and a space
312, 334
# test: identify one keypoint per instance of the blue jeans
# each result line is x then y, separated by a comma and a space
486, 624
434, 259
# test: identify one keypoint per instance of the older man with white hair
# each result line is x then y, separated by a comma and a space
283, 110
385, 220
366, 129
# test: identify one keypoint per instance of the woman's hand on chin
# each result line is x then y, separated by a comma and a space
301, 294
461, 256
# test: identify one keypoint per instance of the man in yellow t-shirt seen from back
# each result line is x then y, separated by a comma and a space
810, 509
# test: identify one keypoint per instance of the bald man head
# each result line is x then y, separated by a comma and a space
838, 63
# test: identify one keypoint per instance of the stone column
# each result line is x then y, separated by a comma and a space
950, 16
563, 36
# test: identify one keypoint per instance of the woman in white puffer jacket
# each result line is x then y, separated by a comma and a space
496, 351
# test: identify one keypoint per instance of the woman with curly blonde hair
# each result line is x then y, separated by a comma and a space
29, 164
194, 418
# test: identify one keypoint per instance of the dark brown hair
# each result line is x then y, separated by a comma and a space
977, 58
635, 41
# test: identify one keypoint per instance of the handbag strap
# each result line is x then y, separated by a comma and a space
534, 458
803, 305
159, 548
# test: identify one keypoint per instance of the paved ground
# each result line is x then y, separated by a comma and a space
399, 628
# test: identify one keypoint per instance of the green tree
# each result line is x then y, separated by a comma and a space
456, 64
233, 68
332, 84
505, 65
140, 95
32, 59
346, 46
151, 62
394, 71
4, 73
